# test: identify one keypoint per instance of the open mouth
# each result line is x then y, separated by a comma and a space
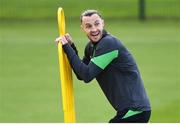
95, 33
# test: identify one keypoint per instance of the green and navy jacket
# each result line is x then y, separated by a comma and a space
115, 70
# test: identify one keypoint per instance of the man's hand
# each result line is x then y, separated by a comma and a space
68, 38
64, 39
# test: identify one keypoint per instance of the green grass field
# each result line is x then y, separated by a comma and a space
29, 70
29, 75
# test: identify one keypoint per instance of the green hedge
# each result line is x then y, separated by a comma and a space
46, 9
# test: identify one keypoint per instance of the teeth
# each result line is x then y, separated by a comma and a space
95, 34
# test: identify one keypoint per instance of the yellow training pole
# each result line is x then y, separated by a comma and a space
65, 75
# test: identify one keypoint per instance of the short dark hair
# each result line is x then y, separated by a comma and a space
89, 13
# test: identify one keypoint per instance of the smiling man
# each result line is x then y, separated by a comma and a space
93, 26
109, 61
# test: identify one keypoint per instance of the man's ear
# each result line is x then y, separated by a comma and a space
82, 28
103, 23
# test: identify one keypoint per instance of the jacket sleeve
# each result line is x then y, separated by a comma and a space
85, 72
74, 48
86, 58
96, 64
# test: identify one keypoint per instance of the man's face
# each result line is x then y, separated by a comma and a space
93, 27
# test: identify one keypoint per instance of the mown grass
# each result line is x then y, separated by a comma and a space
29, 76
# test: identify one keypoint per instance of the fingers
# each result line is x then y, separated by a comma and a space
62, 40
57, 40
68, 38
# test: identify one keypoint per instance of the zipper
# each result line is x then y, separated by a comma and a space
93, 49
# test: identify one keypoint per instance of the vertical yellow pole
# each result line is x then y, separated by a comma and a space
65, 75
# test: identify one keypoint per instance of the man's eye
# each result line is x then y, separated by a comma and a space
96, 24
88, 26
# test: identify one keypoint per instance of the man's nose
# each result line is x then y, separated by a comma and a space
93, 29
